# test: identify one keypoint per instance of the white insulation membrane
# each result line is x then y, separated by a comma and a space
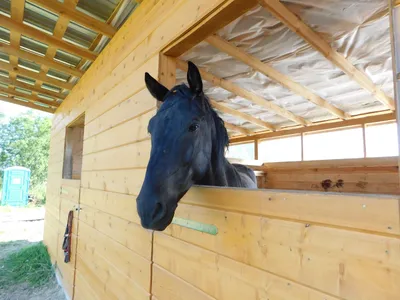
359, 30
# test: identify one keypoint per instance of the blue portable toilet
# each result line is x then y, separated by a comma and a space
15, 186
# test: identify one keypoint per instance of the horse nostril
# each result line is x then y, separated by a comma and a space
159, 211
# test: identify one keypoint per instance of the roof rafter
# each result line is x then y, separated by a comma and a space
236, 113
59, 30
17, 14
37, 76
40, 60
30, 98
26, 104
72, 14
357, 120
32, 88
241, 92
237, 128
50, 40
282, 13
273, 74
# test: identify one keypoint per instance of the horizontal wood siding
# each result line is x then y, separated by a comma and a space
371, 176
282, 245
270, 244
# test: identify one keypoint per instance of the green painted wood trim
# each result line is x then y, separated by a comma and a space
206, 228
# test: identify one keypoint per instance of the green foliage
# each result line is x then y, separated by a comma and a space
25, 141
39, 194
31, 265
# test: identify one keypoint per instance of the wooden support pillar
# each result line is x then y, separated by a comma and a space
256, 149
394, 17
364, 128
302, 145
167, 72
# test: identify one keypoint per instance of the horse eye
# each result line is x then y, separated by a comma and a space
194, 127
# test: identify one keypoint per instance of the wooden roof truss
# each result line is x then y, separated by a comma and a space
279, 10
46, 46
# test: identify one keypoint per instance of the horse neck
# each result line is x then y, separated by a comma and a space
218, 167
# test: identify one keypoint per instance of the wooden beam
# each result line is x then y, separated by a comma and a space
229, 11
38, 35
27, 104
77, 16
59, 31
17, 14
236, 113
36, 76
334, 125
273, 74
31, 98
32, 88
40, 60
282, 13
241, 92
167, 72
237, 128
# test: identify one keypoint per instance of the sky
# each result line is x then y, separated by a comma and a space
13, 110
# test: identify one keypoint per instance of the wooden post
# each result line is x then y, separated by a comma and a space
256, 149
167, 72
394, 17
364, 128
302, 146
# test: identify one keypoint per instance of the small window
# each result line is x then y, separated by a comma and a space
73, 150
280, 149
381, 140
339, 144
241, 151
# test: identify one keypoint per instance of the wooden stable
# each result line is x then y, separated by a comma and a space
265, 244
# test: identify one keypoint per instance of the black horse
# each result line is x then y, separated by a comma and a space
188, 141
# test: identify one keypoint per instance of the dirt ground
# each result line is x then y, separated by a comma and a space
21, 227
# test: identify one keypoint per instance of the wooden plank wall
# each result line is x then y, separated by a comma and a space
270, 245
113, 251
372, 175
280, 245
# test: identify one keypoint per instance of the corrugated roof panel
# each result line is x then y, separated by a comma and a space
39, 17
51, 88
4, 73
41, 104
5, 7
45, 97
4, 57
67, 58
4, 35
58, 75
101, 9
28, 65
21, 99
79, 35
32, 45
22, 90
3, 85
25, 80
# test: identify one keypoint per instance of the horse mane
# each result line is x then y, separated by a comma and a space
221, 134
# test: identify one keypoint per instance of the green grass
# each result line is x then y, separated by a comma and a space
29, 265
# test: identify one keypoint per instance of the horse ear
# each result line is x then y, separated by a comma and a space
156, 89
194, 79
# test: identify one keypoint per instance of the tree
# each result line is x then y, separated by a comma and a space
25, 141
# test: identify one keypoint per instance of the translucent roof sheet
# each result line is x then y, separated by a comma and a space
79, 35
101, 9
5, 7
4, 35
